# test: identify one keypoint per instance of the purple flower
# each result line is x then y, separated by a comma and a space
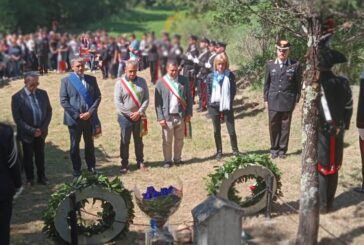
152, 193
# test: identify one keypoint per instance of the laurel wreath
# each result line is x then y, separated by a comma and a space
214, 180
106, 217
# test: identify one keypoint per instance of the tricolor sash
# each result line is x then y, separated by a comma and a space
95, 121
175, 91
135, 96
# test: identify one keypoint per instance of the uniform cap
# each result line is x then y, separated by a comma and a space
327, 58
221, 44
177, 36
193, 37
204, 40
212, 43
283, 44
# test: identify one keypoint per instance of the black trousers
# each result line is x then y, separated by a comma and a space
279, 127
83, 128
153, 66
163, 65
105, 69
43, 64
327, 186
127, 128
36, 150
5, 217
230, 125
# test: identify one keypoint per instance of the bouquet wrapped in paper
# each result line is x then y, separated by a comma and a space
159, 206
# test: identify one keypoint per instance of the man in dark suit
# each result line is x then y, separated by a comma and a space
80, 97
282, 90
32, 113
173, 105
10, 179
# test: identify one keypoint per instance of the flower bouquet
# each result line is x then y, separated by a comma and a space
159, 206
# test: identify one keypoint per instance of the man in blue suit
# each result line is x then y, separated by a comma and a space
80, 97
32, 113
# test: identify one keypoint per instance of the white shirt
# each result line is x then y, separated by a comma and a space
173, 101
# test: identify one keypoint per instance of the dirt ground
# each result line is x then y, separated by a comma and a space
345, 225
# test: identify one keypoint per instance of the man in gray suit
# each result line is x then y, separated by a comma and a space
173, 105
80, 97
32, 113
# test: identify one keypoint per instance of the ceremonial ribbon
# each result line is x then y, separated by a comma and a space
95, 121
135, 96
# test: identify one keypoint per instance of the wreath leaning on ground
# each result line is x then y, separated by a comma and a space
214, 180
105, 218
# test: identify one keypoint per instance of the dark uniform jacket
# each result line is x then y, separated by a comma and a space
282, 86
153, 51
164, 47
339, 99
10, 177
214, 108
23, 114
360, 115
187, 64
201, 70
162, 99
175, 54
42, 47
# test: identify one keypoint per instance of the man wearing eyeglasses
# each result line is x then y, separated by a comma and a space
282, 90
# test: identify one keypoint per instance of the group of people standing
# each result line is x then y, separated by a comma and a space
204, 66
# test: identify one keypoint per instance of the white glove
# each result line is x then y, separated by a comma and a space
190, 57
207, 65
195, 60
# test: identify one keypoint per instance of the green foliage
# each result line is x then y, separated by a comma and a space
106, 217
214, 180
137, 20
269, 20
26, 16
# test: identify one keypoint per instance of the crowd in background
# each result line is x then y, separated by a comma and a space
45, 51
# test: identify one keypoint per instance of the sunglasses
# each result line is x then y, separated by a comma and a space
282, 50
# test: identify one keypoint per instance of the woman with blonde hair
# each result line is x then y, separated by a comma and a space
221, 90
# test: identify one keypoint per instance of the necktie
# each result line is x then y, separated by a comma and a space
36, 110
82, 78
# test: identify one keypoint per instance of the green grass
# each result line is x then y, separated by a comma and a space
137, 20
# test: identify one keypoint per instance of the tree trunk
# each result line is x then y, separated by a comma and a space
309, 199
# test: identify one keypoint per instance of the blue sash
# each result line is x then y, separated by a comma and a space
95, 121
77, 83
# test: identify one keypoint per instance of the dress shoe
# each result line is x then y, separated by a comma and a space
92, 171
141, 166
218, 156
179, 162
283, 156
274, 156
123, 170
43, 181
76, 173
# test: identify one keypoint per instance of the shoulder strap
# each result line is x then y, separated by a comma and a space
77, 84
175, 92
